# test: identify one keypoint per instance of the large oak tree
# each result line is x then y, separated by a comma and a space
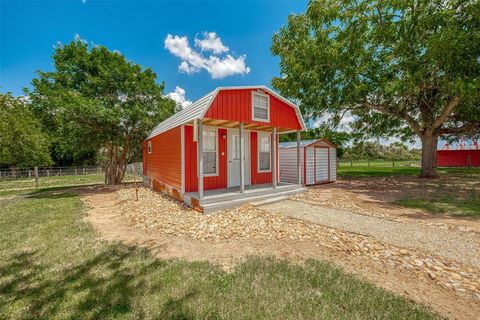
96, 98
402, 67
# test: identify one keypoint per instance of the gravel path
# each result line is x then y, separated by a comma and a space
453, 244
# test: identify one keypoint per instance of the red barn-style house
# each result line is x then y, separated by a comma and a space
194, 156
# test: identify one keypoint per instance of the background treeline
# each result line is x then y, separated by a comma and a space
367, 150
94, 108
351, 146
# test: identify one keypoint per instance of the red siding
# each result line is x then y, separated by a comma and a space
458, 158
259, 177
164, 163
191, 179
236, 105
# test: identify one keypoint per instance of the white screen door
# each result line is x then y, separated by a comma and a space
234, 158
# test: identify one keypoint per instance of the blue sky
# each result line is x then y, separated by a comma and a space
139, 30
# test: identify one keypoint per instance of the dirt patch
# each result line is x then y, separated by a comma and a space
374, 196
112, 213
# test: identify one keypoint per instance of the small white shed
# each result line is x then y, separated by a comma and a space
318, 161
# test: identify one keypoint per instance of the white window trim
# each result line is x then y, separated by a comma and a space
259, 134
256, 93
149, 147
205, 129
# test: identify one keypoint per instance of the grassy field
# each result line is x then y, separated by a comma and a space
385, 169
55, 181
456, 193
52, 266
468, 206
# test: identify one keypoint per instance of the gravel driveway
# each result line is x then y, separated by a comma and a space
453, 244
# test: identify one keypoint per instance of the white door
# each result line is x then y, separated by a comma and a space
234, 158
321, 164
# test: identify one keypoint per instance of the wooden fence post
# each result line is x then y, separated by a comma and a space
351, 163
83, 170
393, 163
36, 177
75, 171
369, 162
29, 173
135, 181
48, 173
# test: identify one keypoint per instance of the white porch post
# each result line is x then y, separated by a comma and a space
299, 174
200, 159
242, 165
274, 157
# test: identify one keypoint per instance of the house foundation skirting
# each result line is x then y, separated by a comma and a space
173, 192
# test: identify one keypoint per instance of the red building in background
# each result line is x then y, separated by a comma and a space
458, 158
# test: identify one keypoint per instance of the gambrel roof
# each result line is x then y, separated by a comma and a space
198, 109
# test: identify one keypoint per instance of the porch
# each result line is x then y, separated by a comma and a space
249, 174
227, 198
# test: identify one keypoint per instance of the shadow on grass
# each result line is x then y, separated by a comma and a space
49, 191
100, 287
48, 195
469, 206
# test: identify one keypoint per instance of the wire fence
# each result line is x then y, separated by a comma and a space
379, 163
36, 177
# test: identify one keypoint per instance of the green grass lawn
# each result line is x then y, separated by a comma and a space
458, 195
385, 169
52, 266
450, 203
380, 171
53, 181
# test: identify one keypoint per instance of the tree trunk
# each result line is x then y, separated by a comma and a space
429, 156
115, 170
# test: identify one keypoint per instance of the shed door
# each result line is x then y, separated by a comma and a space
321, 164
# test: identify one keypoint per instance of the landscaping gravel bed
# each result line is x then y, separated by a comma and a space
449, 243
156, 212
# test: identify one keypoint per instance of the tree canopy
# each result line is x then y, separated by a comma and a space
339, 138
403, 68
96, 99
22, 143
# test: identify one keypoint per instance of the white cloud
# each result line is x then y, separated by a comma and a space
179, 97
192, 61
345, 124
211, 42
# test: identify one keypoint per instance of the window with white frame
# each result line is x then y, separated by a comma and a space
260, 107
264, 152
149, 147
209, 152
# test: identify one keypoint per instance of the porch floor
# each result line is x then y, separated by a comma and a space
226, 198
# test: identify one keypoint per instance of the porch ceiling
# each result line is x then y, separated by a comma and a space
234, 124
